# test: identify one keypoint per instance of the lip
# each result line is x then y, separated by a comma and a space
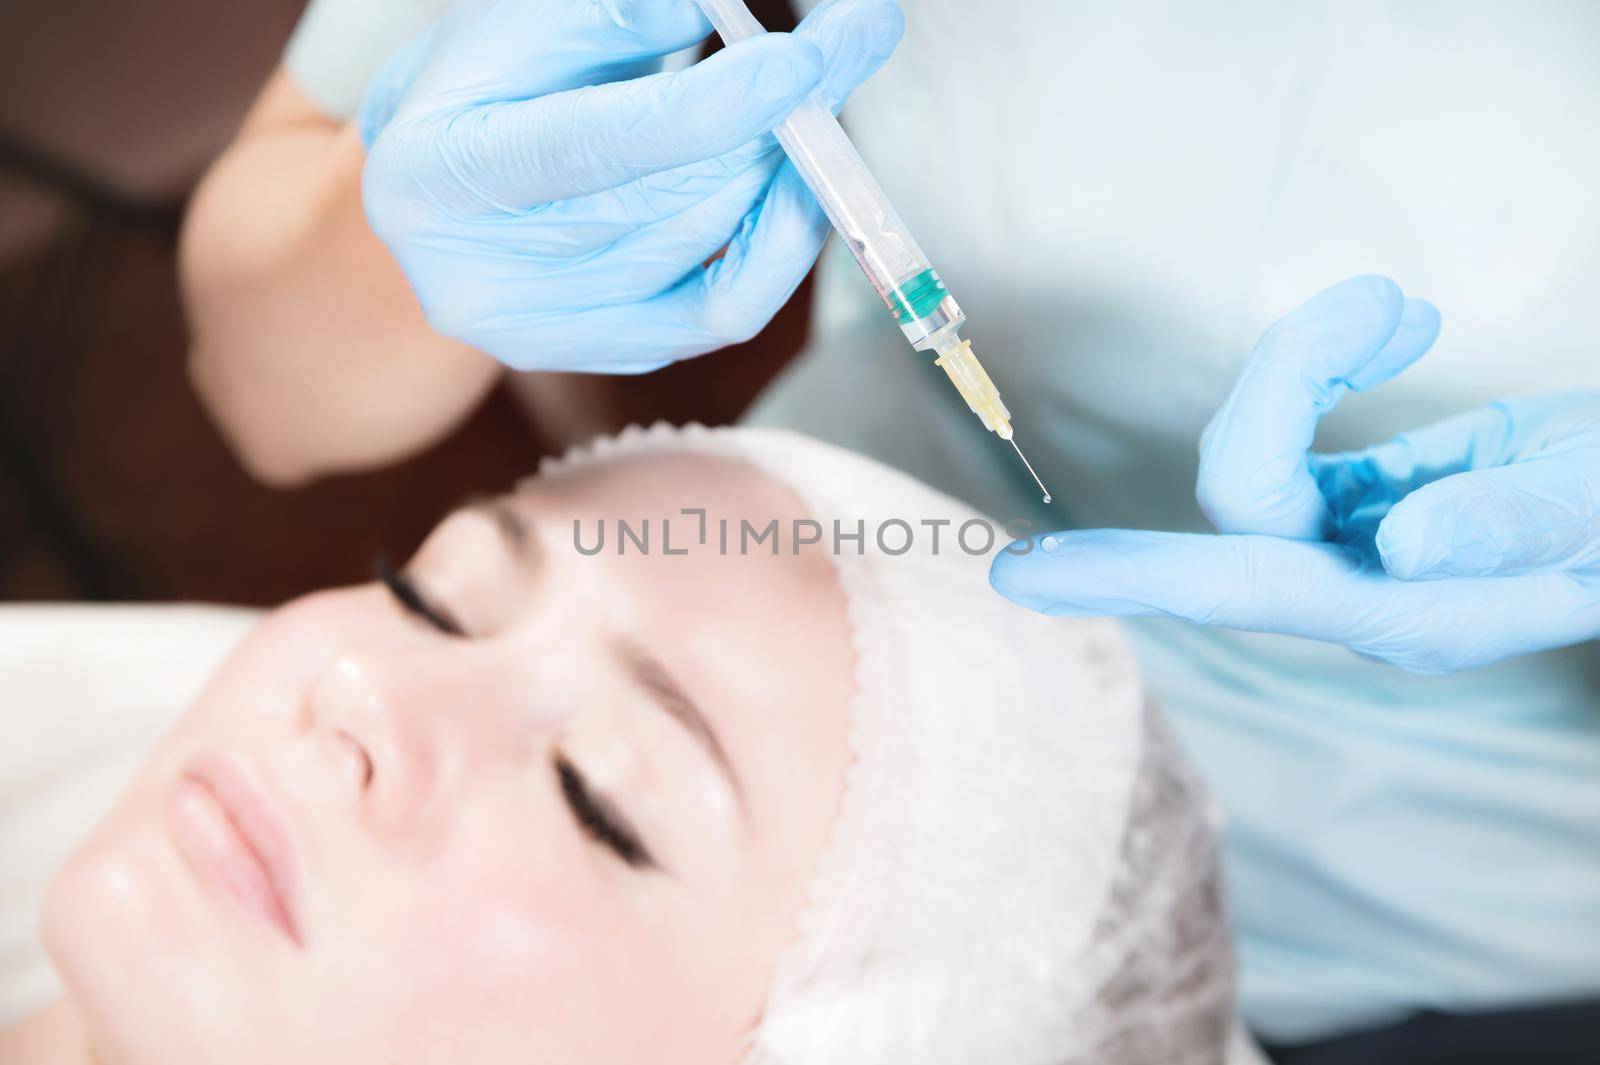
233, 837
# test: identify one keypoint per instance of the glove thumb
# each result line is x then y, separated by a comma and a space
1542, 513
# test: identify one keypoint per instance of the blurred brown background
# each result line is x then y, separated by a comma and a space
113, 484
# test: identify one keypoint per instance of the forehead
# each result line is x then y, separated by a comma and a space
761, 638
681, 535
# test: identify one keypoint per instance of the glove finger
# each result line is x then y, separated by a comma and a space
1361, 486
388, 87
521, 154
495, 51
517, 156
856, 37
1261, 583
642, 262
1541, 513
597, 226
1318, 591
1416, 333
733, 298
1254, 474
625, 338
724, 303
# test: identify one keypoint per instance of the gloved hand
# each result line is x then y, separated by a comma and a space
555, 204
1449, 547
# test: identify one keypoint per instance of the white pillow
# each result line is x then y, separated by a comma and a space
84, 691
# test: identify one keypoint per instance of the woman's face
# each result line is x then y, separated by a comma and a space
579, 832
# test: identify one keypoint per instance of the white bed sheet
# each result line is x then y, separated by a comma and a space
84, 691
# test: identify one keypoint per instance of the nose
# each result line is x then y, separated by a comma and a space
410, 727
387, 748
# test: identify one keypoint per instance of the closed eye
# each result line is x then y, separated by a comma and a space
411, 600
596, 818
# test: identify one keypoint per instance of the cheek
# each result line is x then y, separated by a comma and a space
504, 939
502, 917
261, 685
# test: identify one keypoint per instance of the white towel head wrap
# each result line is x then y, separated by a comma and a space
1022, 871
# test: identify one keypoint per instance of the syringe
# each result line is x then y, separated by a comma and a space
871, 228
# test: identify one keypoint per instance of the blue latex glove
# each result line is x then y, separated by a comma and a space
1449, 547
554, 203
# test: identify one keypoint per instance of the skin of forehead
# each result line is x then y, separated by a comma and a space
785, 614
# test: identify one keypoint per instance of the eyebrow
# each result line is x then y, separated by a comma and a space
652, 675
519, 539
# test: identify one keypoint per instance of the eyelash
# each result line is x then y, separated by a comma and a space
410, 599
585, 811
593, 820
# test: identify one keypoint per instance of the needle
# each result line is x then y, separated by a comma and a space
1028, 464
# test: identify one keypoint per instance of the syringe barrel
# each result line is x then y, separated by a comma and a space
867, 223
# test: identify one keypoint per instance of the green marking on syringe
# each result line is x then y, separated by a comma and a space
917, 297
